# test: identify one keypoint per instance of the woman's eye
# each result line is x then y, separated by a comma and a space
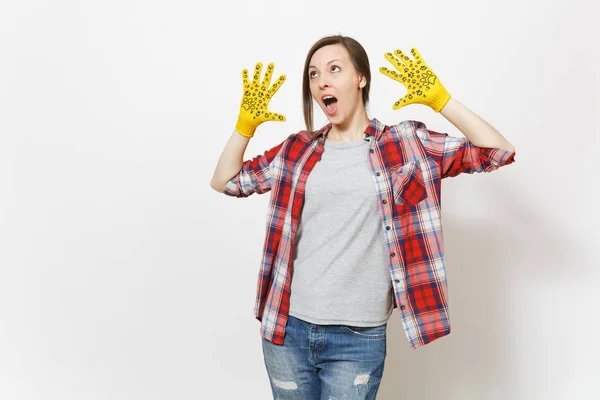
310, 74
335, 66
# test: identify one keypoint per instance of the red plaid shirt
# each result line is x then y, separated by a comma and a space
408, 163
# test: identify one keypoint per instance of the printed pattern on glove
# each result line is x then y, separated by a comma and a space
423, 85
255, 100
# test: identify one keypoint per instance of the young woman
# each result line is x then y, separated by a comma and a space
354, 218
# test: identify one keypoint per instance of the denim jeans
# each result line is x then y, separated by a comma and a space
326, 362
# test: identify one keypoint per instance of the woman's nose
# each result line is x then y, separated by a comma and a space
323, 82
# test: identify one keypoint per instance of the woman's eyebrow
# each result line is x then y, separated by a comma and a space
335, 59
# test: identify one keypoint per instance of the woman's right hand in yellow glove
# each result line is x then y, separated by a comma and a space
256, 97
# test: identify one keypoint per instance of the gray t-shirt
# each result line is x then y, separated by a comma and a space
340, 271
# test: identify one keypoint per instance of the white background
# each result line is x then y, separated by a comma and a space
123, 275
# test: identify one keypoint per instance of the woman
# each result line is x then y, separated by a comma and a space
354, 217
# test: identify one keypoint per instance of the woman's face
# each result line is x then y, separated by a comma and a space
331, 73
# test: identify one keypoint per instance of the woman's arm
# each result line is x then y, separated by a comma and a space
424, 87
230, 162
475, 129
252, 114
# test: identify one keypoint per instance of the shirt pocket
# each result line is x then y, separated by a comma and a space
408, 184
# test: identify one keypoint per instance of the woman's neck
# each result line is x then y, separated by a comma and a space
351, 129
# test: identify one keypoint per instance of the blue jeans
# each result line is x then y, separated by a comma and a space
326, 362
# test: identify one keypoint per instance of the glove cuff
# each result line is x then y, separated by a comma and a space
440, 101
245, 128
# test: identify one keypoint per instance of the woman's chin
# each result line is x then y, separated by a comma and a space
336, 118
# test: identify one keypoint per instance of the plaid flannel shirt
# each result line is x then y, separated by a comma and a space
408, 163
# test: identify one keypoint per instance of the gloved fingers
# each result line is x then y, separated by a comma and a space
268, 73
277, 117
400, 66
273, 116
404, 101
399, 104
257, 72
405, 59
417, 56
245, 81
276, 86
395, 75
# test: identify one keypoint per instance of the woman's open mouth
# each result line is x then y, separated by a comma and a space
330, 104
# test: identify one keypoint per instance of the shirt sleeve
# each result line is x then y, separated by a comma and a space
457, 155
255, 175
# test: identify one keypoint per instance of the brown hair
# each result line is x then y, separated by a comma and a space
359, 59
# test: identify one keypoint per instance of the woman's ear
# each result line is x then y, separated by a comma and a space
362, 82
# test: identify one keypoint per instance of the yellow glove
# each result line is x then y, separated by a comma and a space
423, 85
256, 97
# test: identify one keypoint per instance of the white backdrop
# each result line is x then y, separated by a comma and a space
123, 275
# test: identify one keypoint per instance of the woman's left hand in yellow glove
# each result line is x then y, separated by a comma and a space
423, 86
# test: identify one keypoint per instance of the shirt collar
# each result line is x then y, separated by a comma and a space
374, 129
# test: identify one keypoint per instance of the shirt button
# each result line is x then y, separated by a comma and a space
387, 228
384, 201
393, 254
402, 307
377, 173
397, 280
372, 151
